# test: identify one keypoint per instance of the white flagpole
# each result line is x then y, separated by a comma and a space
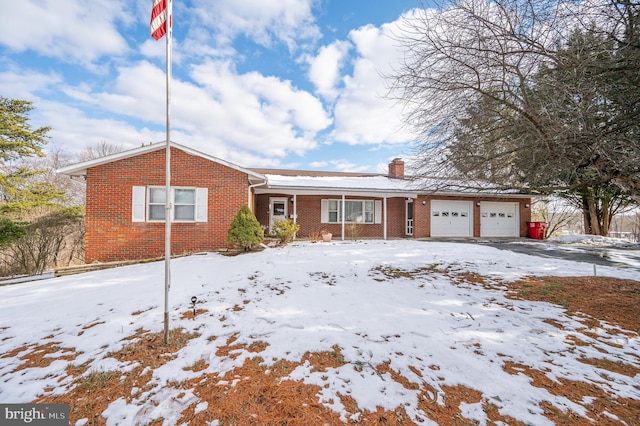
167, 211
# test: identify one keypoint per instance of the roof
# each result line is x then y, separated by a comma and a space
305, 183
80, 169
291, 172
337, 183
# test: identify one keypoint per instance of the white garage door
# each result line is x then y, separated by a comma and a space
499, 219
451, 218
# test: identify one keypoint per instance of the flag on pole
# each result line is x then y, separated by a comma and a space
158, 27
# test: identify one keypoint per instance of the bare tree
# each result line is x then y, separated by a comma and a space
555, 211
73, 189
53, 236
526, 94
101, 149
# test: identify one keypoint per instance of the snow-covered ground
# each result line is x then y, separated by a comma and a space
593, 240
310, 297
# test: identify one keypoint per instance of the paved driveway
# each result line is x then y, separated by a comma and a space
619, 256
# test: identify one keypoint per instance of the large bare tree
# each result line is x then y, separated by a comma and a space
530, 94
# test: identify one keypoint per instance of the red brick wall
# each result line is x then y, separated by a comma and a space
110, 233
422, 216
308, 211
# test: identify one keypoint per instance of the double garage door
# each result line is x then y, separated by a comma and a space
455, 219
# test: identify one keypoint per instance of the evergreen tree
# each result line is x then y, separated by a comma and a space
21, 187
17, 139
30, 210
245, 230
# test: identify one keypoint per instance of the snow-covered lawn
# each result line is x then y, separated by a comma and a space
430, 326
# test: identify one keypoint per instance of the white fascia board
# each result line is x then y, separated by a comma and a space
350, 192
476, 194
80, 169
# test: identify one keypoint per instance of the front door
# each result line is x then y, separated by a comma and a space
278, 210
409, 228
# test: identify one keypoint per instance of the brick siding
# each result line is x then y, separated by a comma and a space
112, 236
308, 211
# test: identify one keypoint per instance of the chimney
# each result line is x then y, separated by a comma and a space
396, 168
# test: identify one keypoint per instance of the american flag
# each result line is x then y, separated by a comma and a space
158, 19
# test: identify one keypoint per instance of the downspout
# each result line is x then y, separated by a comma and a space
249, 204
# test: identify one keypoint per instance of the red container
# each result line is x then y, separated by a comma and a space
536, 230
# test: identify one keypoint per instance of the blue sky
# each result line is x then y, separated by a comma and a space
260, 83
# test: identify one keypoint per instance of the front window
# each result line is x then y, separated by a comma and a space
183, 205
355, 211
334, 211
157, 197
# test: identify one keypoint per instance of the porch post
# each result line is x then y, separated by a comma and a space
384, 216
295, 208
342, 219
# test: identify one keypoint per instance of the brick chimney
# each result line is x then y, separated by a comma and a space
396, 168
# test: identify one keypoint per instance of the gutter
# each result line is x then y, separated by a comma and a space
255, 185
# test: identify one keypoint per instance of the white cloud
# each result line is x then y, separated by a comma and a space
343, 165
362, 114
71, 30
262, 114
74, 130
324, 69
288, 21
318, 164
19, 83
247, 118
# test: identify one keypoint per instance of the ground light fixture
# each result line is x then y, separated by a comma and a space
194, 300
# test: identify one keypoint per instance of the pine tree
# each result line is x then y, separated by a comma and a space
245, 230
21, 187
17, 139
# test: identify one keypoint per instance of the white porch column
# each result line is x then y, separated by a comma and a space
295, 208
384, 216
342, 220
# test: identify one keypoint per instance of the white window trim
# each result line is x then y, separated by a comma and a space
140, 205
325, 216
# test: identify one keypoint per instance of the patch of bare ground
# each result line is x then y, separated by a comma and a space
41, 355
91, 393
607, 299
190, 314
443, 406
612, 300
625, 409
257, 394
254, 394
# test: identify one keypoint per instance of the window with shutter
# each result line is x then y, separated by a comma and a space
187, 204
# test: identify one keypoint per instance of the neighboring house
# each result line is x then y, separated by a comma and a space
125, 204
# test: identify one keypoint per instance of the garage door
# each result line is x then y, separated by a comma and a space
451, 218
499, 219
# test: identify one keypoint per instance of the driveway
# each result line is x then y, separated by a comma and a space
615, 254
